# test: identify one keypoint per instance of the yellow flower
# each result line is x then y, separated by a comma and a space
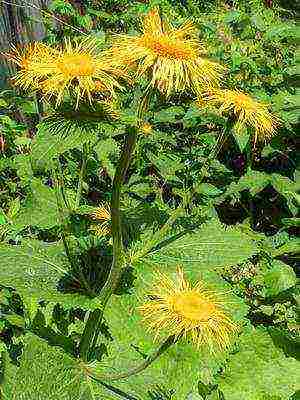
185, 310
170, 55
247, 111
146, 128
103, 217
77, 68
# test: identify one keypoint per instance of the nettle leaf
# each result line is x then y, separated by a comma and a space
45, 372
34, 269
210, 247
259, 369
40, 208
279, 278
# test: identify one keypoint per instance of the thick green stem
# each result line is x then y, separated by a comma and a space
139, 368
93, 324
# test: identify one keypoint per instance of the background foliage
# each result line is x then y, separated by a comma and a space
234, 226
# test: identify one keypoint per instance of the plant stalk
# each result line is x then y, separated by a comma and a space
93, 325
139, 368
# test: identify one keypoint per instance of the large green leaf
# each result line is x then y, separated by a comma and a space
40, 208
259, 370
34, 269
210, 247
45, 373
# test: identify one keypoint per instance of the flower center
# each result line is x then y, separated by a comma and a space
165, 47
192, 306
76, 65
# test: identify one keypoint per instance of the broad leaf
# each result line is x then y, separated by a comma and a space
34, 269
210, 247
50, 143
40, 208
260, 370
45, 373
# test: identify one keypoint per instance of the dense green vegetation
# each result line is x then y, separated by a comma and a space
223, 207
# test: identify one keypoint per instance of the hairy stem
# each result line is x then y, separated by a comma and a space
91, 331
139, 368
93, 325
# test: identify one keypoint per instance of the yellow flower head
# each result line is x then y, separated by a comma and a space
103, 217
77, 68
247, 111
185, 310
170, 56
147, 128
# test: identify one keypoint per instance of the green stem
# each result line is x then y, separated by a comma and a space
93, 326
81, 176
139, 368
91, 330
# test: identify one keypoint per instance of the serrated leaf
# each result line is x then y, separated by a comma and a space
210, 247
279, 278
292, 246
259, 369
34, 269
167, 165
107, 150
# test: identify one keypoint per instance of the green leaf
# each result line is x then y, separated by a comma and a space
169, 115
242, 138
49, 144
45, 372
260, 370
40, 208
292, 246
167, 165
34, 269
279, 278
210, 247
107, 150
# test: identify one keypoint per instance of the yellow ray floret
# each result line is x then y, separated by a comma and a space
170, 56
74, 68
185, 310
102, 216
247, 111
